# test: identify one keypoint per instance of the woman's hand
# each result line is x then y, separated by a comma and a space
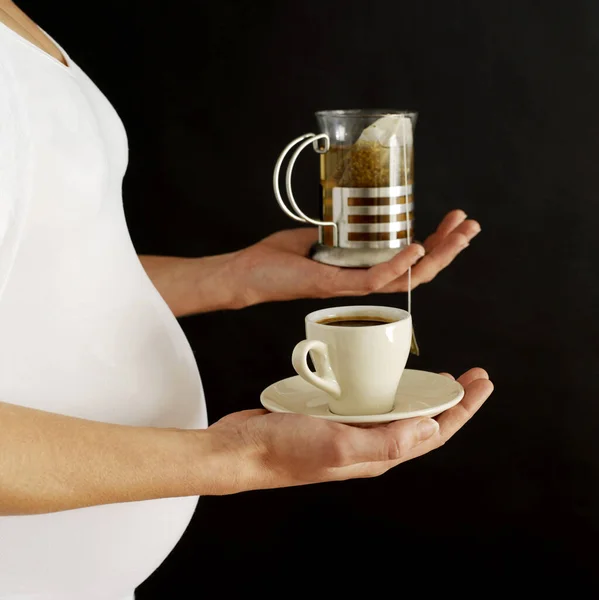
51, 462
257, 450
277, 268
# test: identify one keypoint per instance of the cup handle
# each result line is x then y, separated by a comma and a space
304, 141
300, 364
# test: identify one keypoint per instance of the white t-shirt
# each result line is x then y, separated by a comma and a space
83, 332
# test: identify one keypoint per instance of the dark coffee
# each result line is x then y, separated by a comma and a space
356, 321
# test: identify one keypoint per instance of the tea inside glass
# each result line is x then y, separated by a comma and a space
355, 163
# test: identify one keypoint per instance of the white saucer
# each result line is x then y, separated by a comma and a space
420, 394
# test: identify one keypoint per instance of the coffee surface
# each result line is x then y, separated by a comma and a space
355, 321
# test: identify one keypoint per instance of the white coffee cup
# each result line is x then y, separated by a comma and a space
359, 367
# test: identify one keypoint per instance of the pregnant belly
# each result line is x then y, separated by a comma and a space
89, 336
134, 369
96, 553
84, 333
126, 361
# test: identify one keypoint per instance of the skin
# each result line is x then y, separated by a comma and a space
13, 17
277, 268
51, 462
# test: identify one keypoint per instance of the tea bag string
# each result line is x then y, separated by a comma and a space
408, 237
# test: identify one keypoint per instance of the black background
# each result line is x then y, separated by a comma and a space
507, 95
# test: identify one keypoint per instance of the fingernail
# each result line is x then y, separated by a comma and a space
420, 252
427, 428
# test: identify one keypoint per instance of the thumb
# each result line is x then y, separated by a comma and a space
386, 442
359, 281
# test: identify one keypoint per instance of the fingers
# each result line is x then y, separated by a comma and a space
390, 442
469, 228
452, 236
356, 282
455, 418
450, 222
438, 259
472, 375
346, 452
477, 390
454, 222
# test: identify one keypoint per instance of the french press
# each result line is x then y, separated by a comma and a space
366, 178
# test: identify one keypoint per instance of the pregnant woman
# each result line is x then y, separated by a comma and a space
104, 441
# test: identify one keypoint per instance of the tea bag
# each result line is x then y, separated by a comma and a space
379, 158
414, 348
368, 161
388, 131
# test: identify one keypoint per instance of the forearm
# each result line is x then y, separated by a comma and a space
50, 462
193, 285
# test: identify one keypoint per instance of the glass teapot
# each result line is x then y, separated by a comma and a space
366, 179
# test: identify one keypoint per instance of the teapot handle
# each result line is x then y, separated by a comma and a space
304, 141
